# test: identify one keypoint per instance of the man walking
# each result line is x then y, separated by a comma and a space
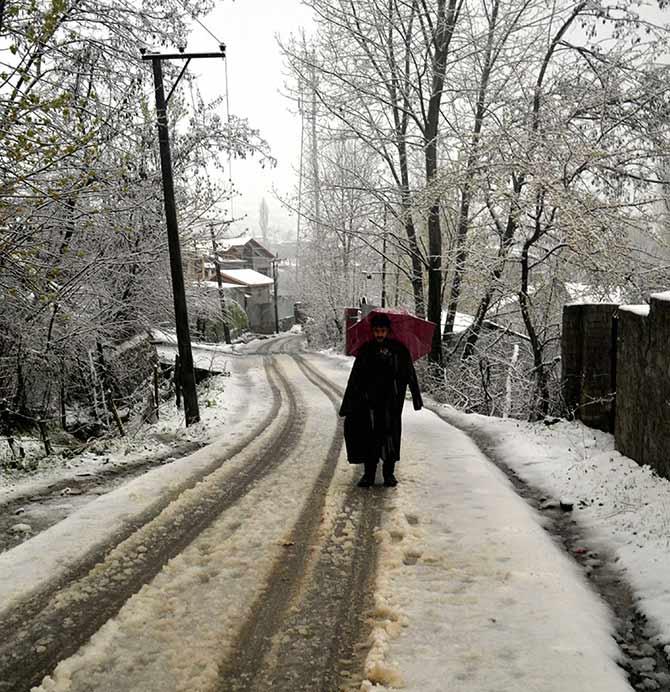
373, 402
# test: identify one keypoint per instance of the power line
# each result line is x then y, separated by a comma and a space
195, 18
225, 67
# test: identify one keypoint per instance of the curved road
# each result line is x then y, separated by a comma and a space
304, 625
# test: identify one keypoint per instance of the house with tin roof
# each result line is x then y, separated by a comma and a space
246, 272
247, 251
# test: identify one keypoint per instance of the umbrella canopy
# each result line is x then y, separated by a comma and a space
416, 334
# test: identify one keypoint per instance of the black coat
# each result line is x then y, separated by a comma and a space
374, 399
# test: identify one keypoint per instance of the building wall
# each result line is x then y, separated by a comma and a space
262, 316
258, 295
254, 259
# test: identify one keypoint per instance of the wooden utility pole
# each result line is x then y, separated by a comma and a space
191, 410
275, 279
219, 281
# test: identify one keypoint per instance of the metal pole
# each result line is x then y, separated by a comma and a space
178, 290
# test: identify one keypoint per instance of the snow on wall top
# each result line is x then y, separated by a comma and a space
637, 309
663, 295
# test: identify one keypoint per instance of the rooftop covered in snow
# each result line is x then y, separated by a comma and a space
245, 277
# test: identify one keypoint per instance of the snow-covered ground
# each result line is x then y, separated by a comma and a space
228, 417
624, 506
471, 595
223, 399
476, 596
176, 631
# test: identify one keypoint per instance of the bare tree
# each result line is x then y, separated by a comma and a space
263, 219
82, 253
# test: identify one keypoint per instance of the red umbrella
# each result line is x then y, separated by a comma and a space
416, 334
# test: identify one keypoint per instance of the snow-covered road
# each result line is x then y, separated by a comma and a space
257, 564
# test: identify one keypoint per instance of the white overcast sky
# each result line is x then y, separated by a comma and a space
256, 82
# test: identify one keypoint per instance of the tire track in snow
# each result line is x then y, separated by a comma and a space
282, 344
86, 488
309, 623
28, 608
33, 640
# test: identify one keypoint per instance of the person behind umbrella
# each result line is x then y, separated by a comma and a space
373, 402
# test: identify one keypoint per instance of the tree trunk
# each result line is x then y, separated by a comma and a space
383, 301
398, 91
44, 433
115, 414
540, 400
410, 230
20, 403
470, 172
445, 23
63, 413
157, 400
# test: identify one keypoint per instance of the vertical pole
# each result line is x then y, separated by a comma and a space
384, 264
63, 413
191, 410
157, 394
316, 193
274, 277
177, 381
302, 153
397, 282
219, 281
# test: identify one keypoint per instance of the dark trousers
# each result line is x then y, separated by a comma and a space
388, 468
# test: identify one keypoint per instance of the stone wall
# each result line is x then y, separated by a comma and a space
642, 428
624, 349
587, 360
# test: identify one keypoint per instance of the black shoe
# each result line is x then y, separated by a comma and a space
366, 482
391, 482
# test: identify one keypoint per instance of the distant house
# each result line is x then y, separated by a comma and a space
246, 272
233, 253
258, 287
249, 252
